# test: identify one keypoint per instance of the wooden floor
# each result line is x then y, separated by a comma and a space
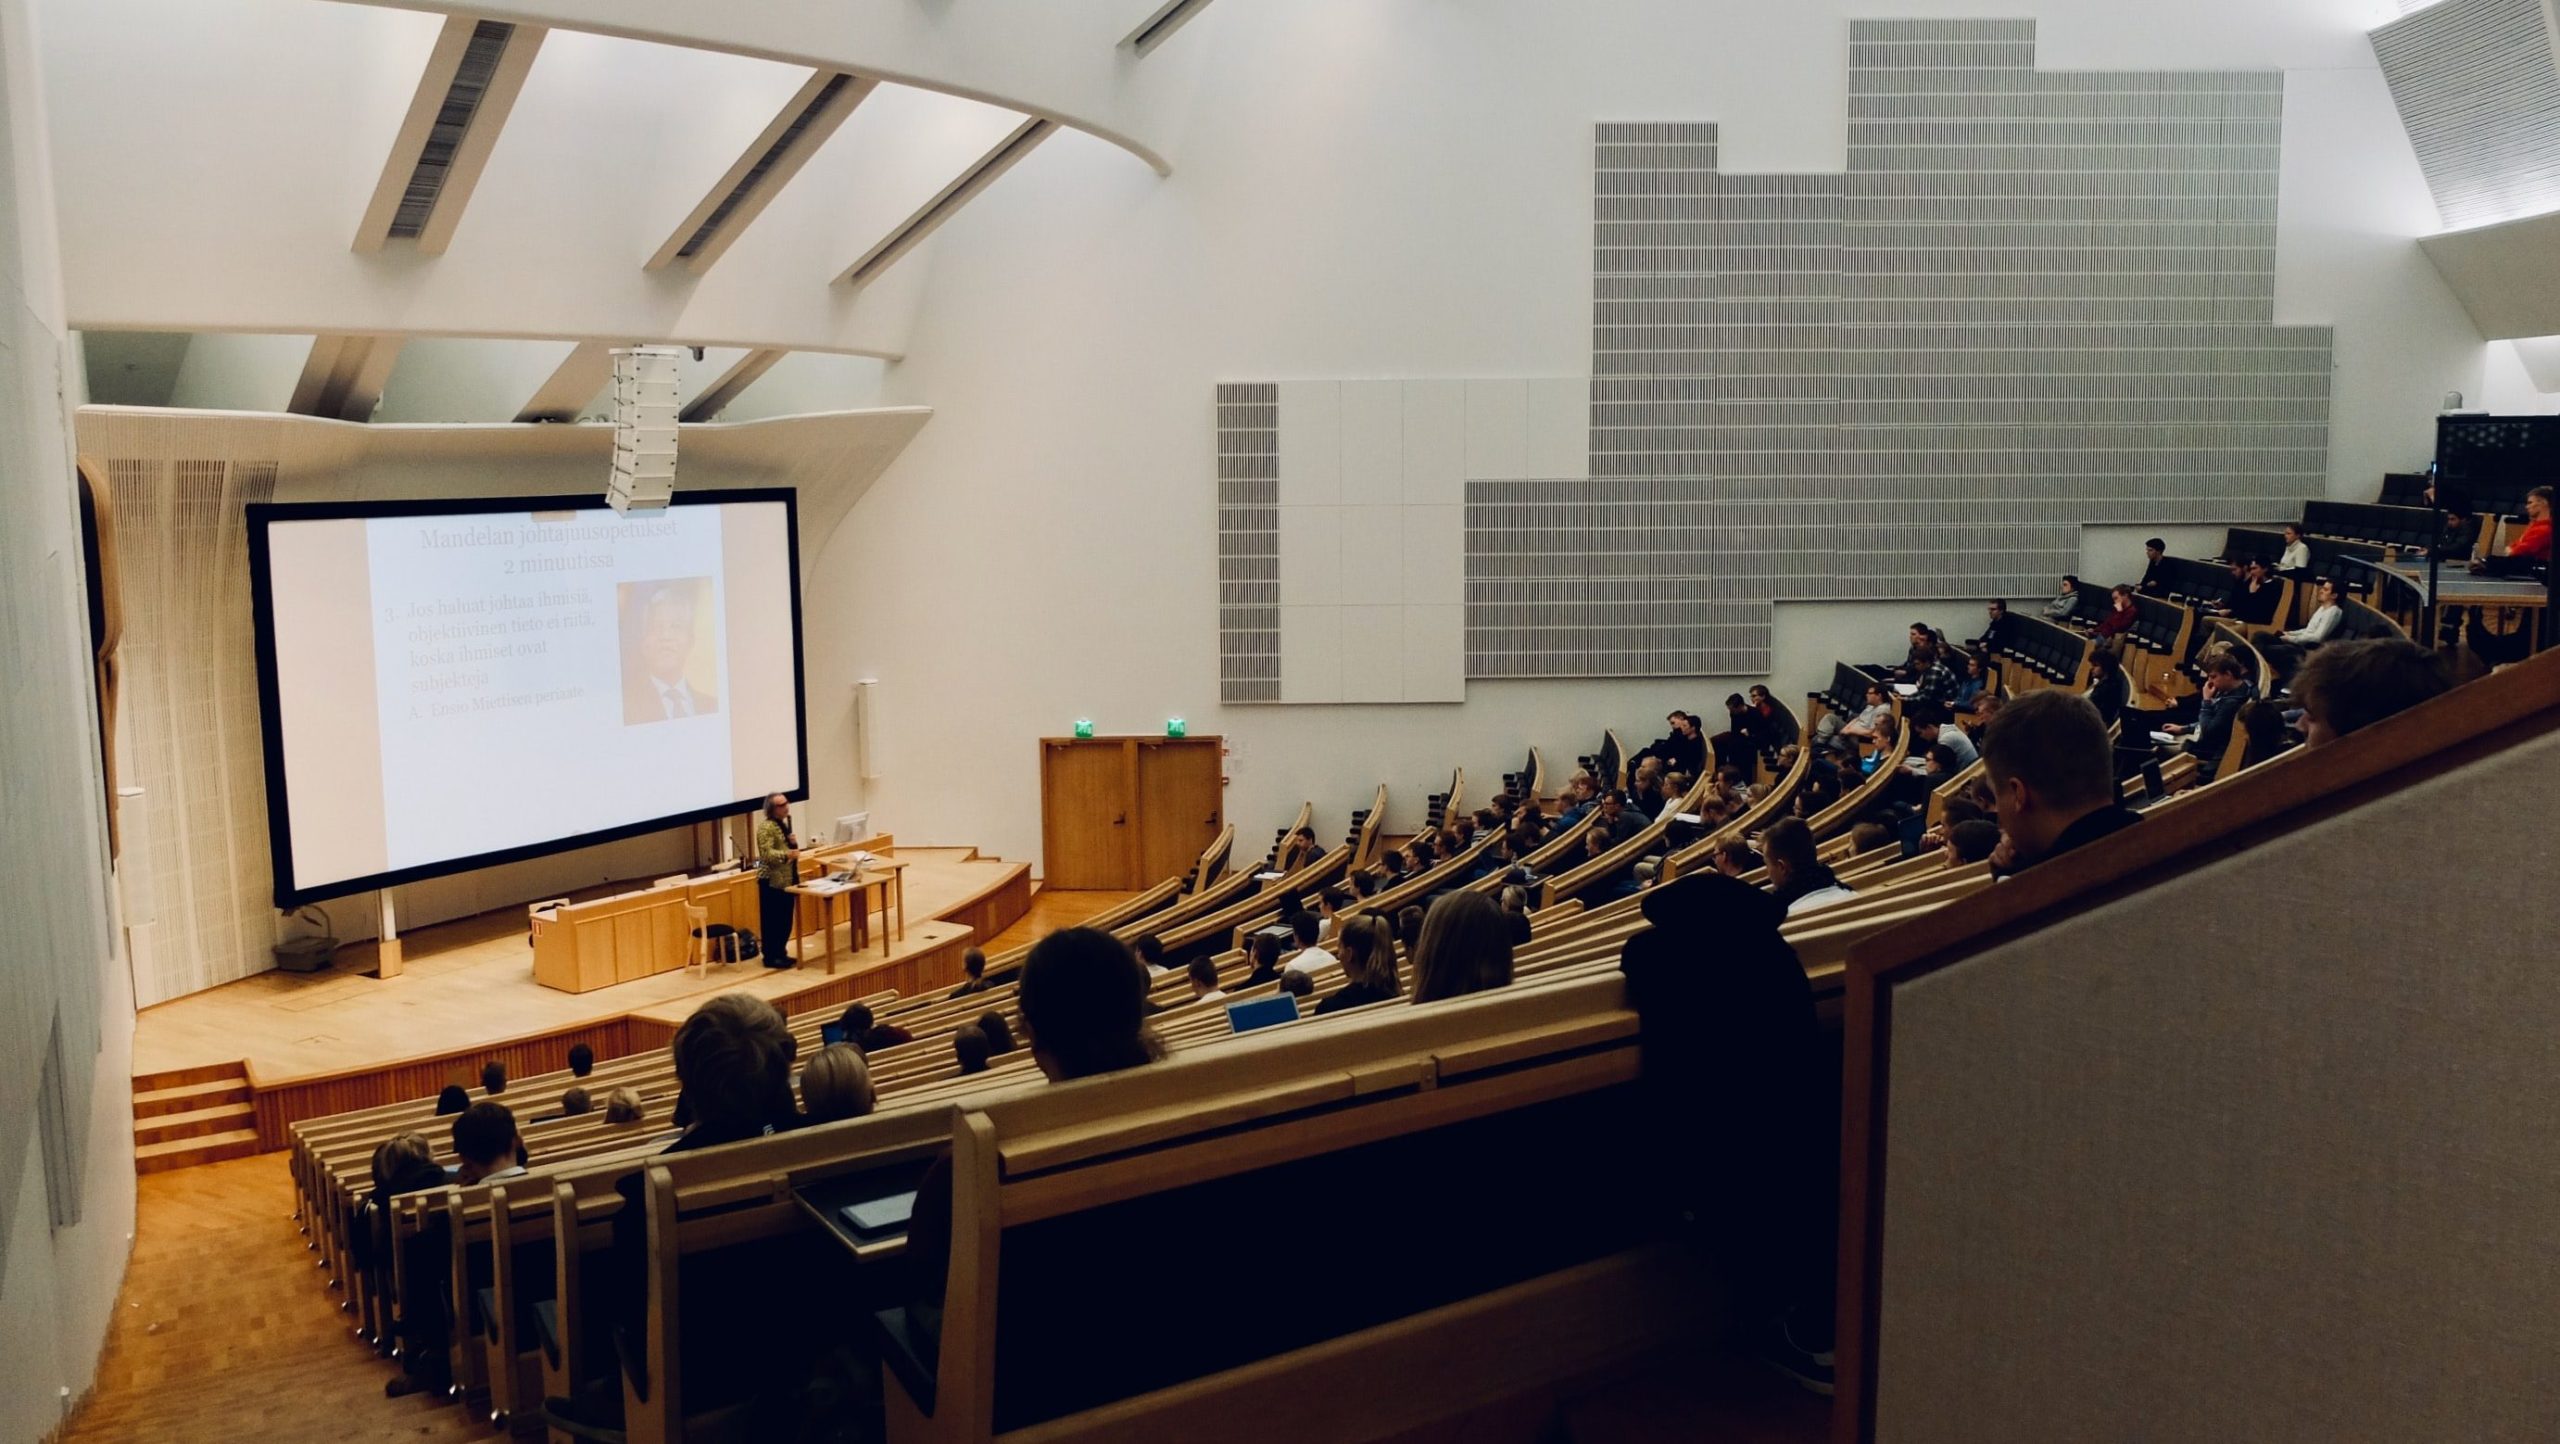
1051, 911
468, 983
226, 1332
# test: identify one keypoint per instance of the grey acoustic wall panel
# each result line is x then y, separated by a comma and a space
2033, 301
2477, 89
1249, 543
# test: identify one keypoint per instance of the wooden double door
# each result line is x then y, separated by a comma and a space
1125, 813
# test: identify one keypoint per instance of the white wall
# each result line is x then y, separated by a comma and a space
57, 951
1405, 191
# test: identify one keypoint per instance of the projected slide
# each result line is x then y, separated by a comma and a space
448, 687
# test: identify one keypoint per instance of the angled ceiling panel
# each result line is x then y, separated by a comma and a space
2478, 91
946, 203
758, 175
471, 81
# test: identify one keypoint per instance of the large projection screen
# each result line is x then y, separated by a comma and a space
452, 684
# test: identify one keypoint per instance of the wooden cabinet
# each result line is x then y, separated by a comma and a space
1125, 813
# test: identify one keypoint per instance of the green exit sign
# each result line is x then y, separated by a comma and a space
1176, 727
1084, 726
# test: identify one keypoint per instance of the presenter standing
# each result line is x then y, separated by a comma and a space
778, 869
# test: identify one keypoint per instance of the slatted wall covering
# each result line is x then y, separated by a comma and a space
2478, 92
1249, 542
2034, 301
190, 705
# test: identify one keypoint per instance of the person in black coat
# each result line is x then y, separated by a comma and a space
1737, 1068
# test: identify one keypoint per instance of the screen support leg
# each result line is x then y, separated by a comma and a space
389, 955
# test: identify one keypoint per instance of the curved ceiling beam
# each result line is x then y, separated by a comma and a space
1063, 62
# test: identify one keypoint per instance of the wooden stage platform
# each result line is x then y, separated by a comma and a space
313, 1044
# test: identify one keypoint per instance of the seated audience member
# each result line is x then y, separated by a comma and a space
1083, 1006
1515, 911
1675, 791
1930, 673
1798, 878
2227, 688
622, 1106
1465, 948
2110, 688
1204, 981
405, 1163
452, 1100
2152, 585
1924, 646
1616, 824
2254, 604
733, 1064
1461, 830
574, 1102
2348, 686
2297, 552
1335, 897
484, 1139
1297, 984
1300, 851
1368, 965
1971, 683
973, 963
1866, 837
2120, 617
2052, 770
1734, 857
969, 1047
1940, 764
1842, 732
1305, 929
1409, 929
582, 1060
2262, 722
2461, 532
1933, 727
1733, 746
999, 1033
1644, 794
493, 1077
1971, 841
1264, 950
1580, 795
1996, 628
836, 1083
2066, 603
2532, 546
1392, 863
1684, 750
870, 1037
2284, 650
1772, 726
1365, 882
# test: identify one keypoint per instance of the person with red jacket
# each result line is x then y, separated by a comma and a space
2119, 621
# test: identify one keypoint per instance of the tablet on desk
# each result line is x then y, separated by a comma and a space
2165, 739
830, 1034
879, 1217
1907, 689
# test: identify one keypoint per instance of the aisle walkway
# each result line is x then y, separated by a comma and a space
225, 1331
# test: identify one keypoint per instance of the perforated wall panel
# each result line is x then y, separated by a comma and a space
2478, 92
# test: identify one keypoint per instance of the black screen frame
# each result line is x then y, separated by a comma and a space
262, 515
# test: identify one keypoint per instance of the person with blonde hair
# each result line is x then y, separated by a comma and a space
622, 1105
1368, 964
836, 1084
1465, 947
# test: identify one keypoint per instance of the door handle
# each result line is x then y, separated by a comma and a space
1122, 818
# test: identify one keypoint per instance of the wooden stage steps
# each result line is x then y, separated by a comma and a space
324, 1043
193, 1115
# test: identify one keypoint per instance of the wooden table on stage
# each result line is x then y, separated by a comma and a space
886, 875
2404, 595
581, 946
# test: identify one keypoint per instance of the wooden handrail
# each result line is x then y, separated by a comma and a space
2475, 721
